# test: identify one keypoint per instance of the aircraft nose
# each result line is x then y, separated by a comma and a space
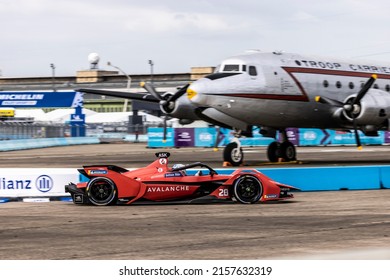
191, 93
194, 93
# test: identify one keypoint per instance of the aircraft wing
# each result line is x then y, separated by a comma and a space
121, 94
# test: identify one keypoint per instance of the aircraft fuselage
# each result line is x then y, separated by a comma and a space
279, 90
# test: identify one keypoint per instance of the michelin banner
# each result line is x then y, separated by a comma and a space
41, 99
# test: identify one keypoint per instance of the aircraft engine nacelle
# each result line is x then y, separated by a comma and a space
373, 109
182, 108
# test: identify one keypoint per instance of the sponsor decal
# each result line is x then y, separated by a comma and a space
78, 198
168, 189
163, 155
15, 184
44, 183
163, 161
94, 172
21, 96
271, 196
205, 136
20, 99
174, 174
160, 170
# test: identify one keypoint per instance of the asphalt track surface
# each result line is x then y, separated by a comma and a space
135, 155
313, 225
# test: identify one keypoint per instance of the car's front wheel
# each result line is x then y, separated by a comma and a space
247, 189
102, 191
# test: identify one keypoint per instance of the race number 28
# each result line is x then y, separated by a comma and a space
223, 192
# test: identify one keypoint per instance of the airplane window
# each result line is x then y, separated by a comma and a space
231, 67
338, 84
244, 68
252, 71
351, 85
325, 83
376, 86
387, 87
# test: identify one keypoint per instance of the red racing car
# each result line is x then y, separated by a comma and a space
110, 184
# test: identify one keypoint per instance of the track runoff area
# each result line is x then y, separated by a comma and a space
200, 249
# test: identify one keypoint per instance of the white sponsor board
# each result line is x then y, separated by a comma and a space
36, 182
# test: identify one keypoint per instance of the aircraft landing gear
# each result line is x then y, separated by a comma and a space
285, 151
281, 151
276, 152
233, 153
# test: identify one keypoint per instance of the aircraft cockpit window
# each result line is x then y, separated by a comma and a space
244, 68
252, 71
231, 68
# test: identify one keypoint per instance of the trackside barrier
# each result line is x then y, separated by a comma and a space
50, 182
210, 136
35, 182
328, 178
22, 144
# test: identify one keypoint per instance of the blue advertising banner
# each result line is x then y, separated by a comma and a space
319, 137
41, 99
184, 137
205, 136
292, 135
387, 137
156, 135
77, 123
257, 140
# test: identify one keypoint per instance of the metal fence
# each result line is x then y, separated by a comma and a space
19, 130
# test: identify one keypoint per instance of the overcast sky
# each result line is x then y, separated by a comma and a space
179, 34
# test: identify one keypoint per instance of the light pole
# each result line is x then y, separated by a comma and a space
128, 83
151, 70
53, 73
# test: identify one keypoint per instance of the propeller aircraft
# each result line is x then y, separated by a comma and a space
275, 91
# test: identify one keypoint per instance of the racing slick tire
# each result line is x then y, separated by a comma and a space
247, 189
102, 191
230, 154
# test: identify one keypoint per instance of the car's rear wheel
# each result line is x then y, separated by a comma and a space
102, 191
247, 189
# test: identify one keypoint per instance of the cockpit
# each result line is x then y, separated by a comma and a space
237, 68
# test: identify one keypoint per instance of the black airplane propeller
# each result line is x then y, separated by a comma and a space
352, 106
166, 101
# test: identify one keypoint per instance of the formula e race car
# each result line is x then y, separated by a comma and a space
110, 184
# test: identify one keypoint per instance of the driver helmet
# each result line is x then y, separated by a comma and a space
177, 165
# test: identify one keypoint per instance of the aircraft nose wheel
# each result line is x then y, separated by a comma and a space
233, 154
285, 151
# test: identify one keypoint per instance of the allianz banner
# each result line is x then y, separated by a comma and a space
41, 99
